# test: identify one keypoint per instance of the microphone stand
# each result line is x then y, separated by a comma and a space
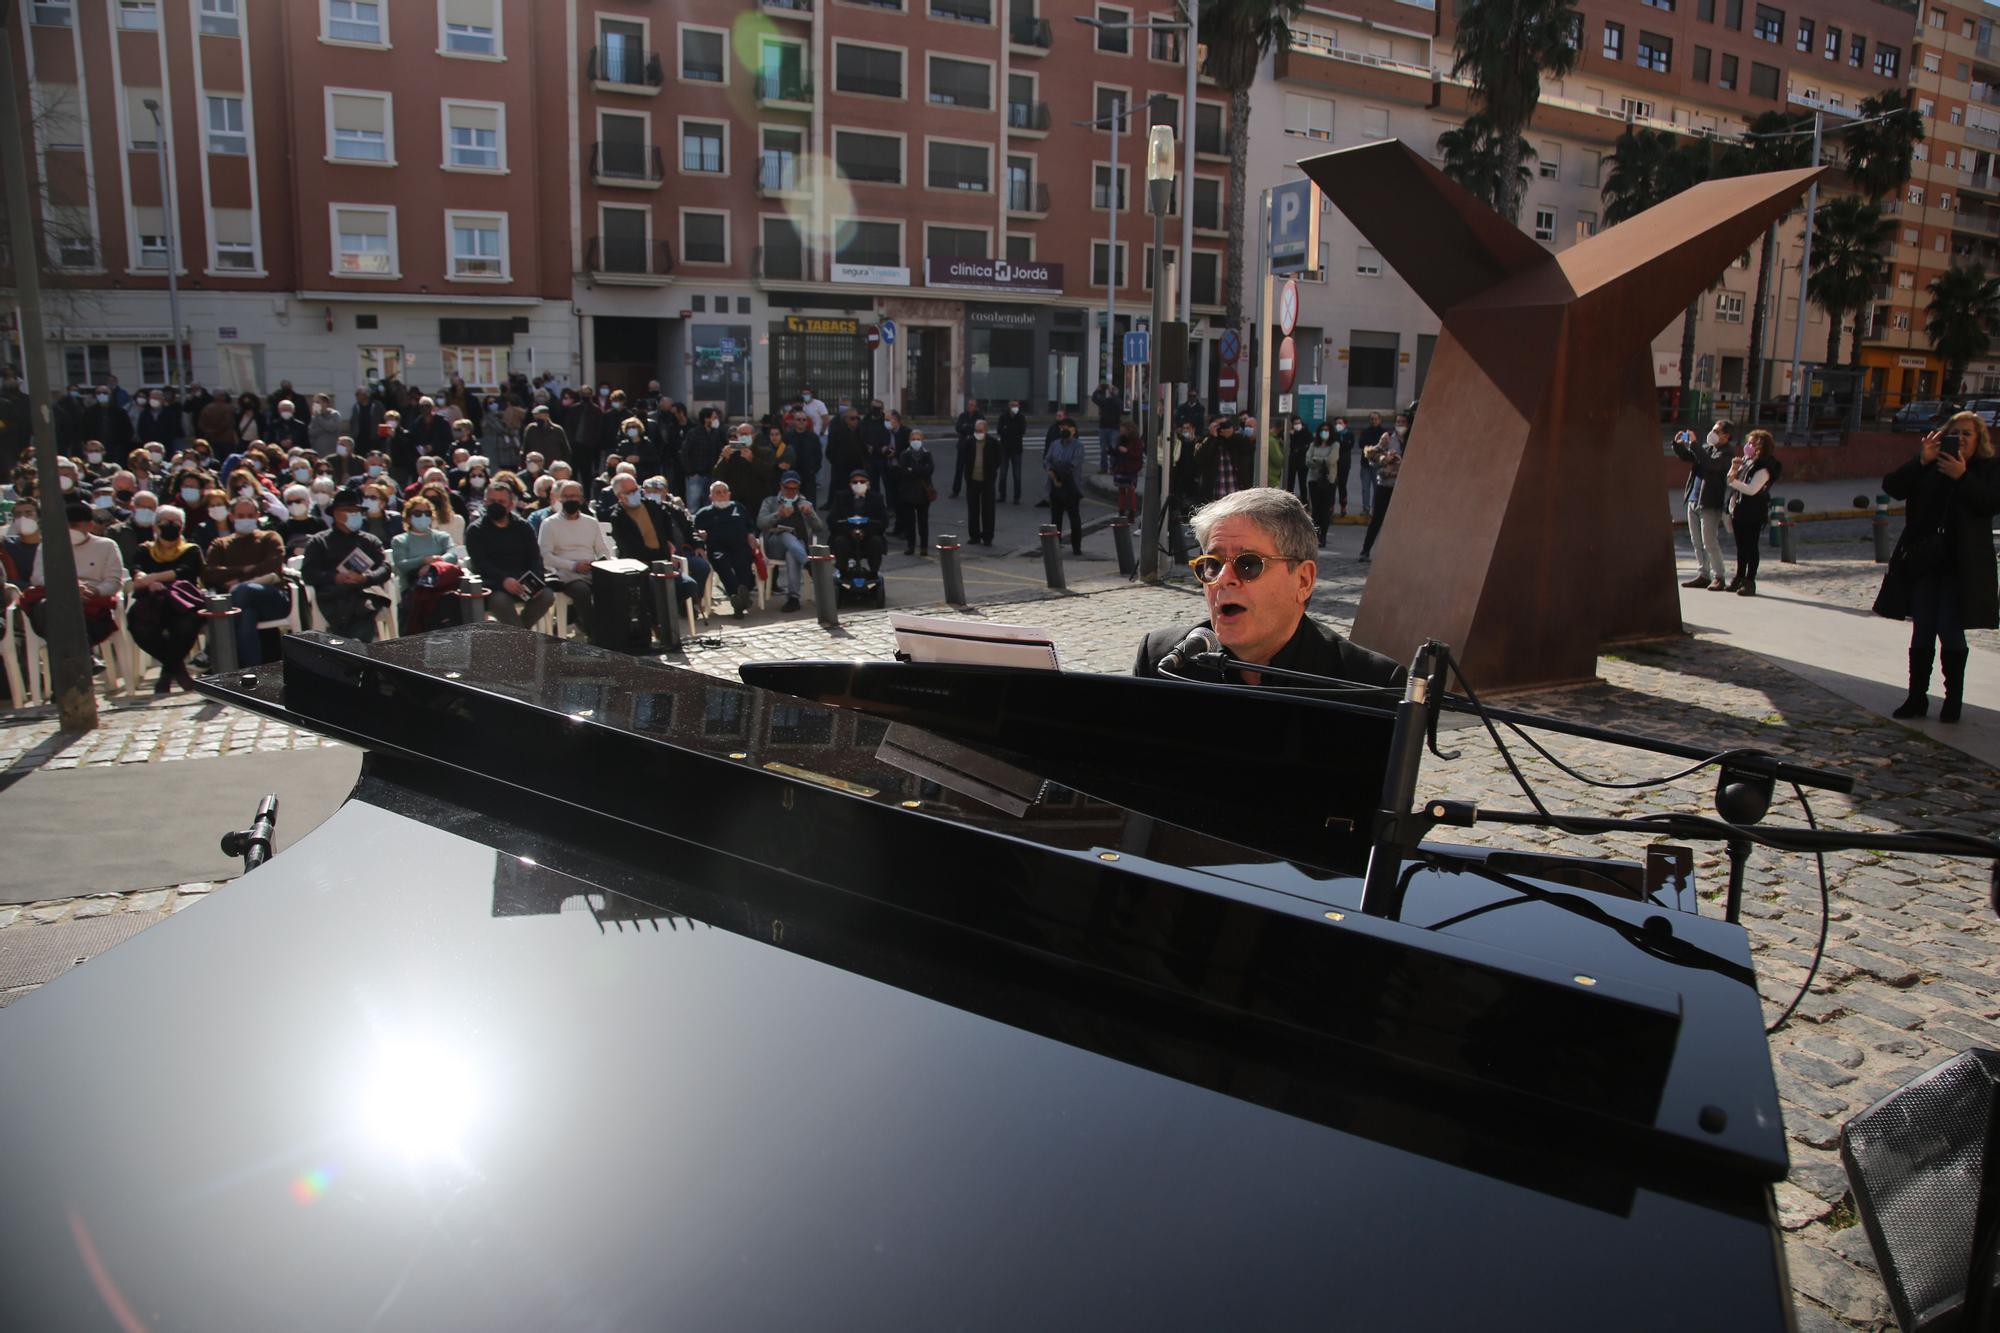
1395, 833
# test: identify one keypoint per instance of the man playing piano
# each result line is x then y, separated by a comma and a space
1257, 570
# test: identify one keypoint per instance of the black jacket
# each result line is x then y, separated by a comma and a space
498, 552
845, 449
326, 552
1013, 430
1313, 648
1708, 474
1961, 512
911, 477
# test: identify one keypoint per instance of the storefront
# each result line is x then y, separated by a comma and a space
1030, 350
1896, 377
830, 353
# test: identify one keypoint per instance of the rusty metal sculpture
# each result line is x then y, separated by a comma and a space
1527, 530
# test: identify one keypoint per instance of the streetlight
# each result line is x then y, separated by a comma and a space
173, 251
1160, 193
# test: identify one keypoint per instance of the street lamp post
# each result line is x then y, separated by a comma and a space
174, 366
1159, 195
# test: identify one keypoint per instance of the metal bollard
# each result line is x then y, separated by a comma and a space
1052, 556
1777, 520
1884, 543
471, 600
1121, 539
954, 577
221, 618
824, 594
665, 579
1787, 551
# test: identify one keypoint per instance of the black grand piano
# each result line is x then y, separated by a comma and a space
883, 996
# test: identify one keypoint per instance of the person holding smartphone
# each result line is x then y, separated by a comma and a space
1751, 478
1941, 574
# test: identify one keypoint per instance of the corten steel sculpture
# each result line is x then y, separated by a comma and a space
1527, 530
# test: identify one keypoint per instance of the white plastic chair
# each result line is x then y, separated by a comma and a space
10, 645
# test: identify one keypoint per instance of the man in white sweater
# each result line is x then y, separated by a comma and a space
571, 539
100, 570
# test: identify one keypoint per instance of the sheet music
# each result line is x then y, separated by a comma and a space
972, 642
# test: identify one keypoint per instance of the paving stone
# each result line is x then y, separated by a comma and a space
1807, 1097
1839, 1052
1858, 1000
1796, 1208
1851, 1244
1821, 1072
1851, 1293
100, 906
151, 901
1820, 1174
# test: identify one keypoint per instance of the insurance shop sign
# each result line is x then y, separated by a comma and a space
994, 275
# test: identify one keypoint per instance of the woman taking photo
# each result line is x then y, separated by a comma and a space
1750, 479
164, 623
1941, 574
1385, 459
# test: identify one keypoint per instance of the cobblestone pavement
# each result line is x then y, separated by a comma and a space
1909, 975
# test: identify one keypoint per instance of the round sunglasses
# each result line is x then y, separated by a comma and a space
1248, 565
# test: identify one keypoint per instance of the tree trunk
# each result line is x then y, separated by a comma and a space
1240, 241
1765, 260
1854, 364
1687, 359
1832, 338
1507, 190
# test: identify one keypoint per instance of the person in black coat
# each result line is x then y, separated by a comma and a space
1751, 478
963, 459
1296, 445
845, 449
701, 448
342, 566
1343, 461
911, 480
1941, 573
1258, 574
807, 454
1013, 443
855, 544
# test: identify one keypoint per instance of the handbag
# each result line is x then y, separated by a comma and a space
1923, 553
185, 595
930, 493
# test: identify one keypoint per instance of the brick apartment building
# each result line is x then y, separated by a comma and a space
720, 196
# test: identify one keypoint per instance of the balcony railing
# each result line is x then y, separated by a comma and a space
965, 11
1030, 32
958, 180
789, 8
769, 89
636, 162
1985, 92
773, 264
1986, 223
778, 177
630, 258
869, 84
1028, 116
626, 66
1028, 197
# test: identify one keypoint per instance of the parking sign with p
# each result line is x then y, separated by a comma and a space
1294, 239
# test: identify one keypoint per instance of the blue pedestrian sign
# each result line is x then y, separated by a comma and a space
888, 332
1136, 348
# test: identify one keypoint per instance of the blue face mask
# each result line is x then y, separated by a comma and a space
418, 522
246, 525
374, 469
352, 521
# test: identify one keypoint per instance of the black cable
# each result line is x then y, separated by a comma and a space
1825, 918
1720, 757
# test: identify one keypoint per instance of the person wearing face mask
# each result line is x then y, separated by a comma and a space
545, 436
749, 481
95, 465
137, 527
858, 547
728, 537
701, 451
790, 524
1013, 431
634, 442
156, 421
379, 518
285, 429
209, 523
164, 626
323, 489
323, 427
249, 420
103, 511
572, 540
100, 572
23, 539
107, 423
1386, 457
657, 527
343, 566
248, 563
364, 414
302, 522
1062, 463
1319, 478
915, 473
14, 421
420, 543
980, 454
1705, 497
1343, 462
1296, 444
503, 552
66, 415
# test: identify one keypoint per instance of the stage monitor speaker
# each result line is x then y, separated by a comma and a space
620, 617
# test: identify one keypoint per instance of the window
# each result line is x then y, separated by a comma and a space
875, 244
965, 11
1927, 107
53, 14
873, 71
1166, 43
961, 83
1020, 185
784, 249
1888, 60
1937, 17
876, 158
1705, 10
1101, 192
1916, 195
235, 241
357, 126
702, 146
75, 239
1311, 117
355, 21
956, 243
1729, 307
1211, 131
1769, 25
479, 367
1732, 15
1655, 52
1589, 168
470, 27
1374, 122
1367, 262
1113, 109
1904, 280
1701, 57
626, 243
142, 131
1633, 108
364, 242
781, 75
778, 159
1832, 48
1545, 224
701, 52
1112, 40
1900, 321
139, 15
624, 149
1726, 76
1207, 203
958, 166
1614, 41
153, 365
1169, 256
1203, 281
1020, 248
1667, 5
704, 237
225, 126
1100, 264
221, 18
87, 363
1857, 47
1933, 64
1805, 38
1911, 236
1549, 164
149, 230
1586, 225
1162, 109
473, 136
1021, 108
478, 244
1763, 81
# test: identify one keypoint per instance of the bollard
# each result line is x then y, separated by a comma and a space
1787, 551
470, 600
954, 577
1052, 556
1121, 538
824, 594
666, 577
1883, 542
221, 618
1777, 519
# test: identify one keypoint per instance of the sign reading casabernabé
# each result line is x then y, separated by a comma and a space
998, 275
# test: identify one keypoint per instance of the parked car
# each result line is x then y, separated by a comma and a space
1918, 416
1988, 410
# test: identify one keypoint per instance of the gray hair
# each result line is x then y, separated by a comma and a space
1278, 513
170, 514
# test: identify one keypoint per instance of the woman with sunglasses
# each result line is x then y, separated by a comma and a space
1257, 570
1941, 574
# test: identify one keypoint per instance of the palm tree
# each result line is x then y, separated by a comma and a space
1850, 260
1878, 155
1472, 157
1238, 35
1964, 313
1770, 144
1507, 46
1648, 167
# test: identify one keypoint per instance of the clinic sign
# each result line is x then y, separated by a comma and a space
1294, 239
994, 275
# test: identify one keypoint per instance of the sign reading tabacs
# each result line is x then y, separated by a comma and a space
813, 324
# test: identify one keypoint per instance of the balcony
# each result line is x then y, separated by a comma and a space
1985, 92
781, 94
1986, 224
1028, 199
634, 166
777, 178
625, 70
1028, 118
788, 9
623, 261
775, 264
963, 11
1030, 36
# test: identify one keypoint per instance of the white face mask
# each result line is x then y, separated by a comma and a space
26, 527
217, 513
69, 483
979, 435
322, 499
94, 456
1714, 439
78, 538
372, 506
299, 508
916, 443
143, 517
859, 488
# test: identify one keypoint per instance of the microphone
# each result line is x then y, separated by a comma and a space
1201, 640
